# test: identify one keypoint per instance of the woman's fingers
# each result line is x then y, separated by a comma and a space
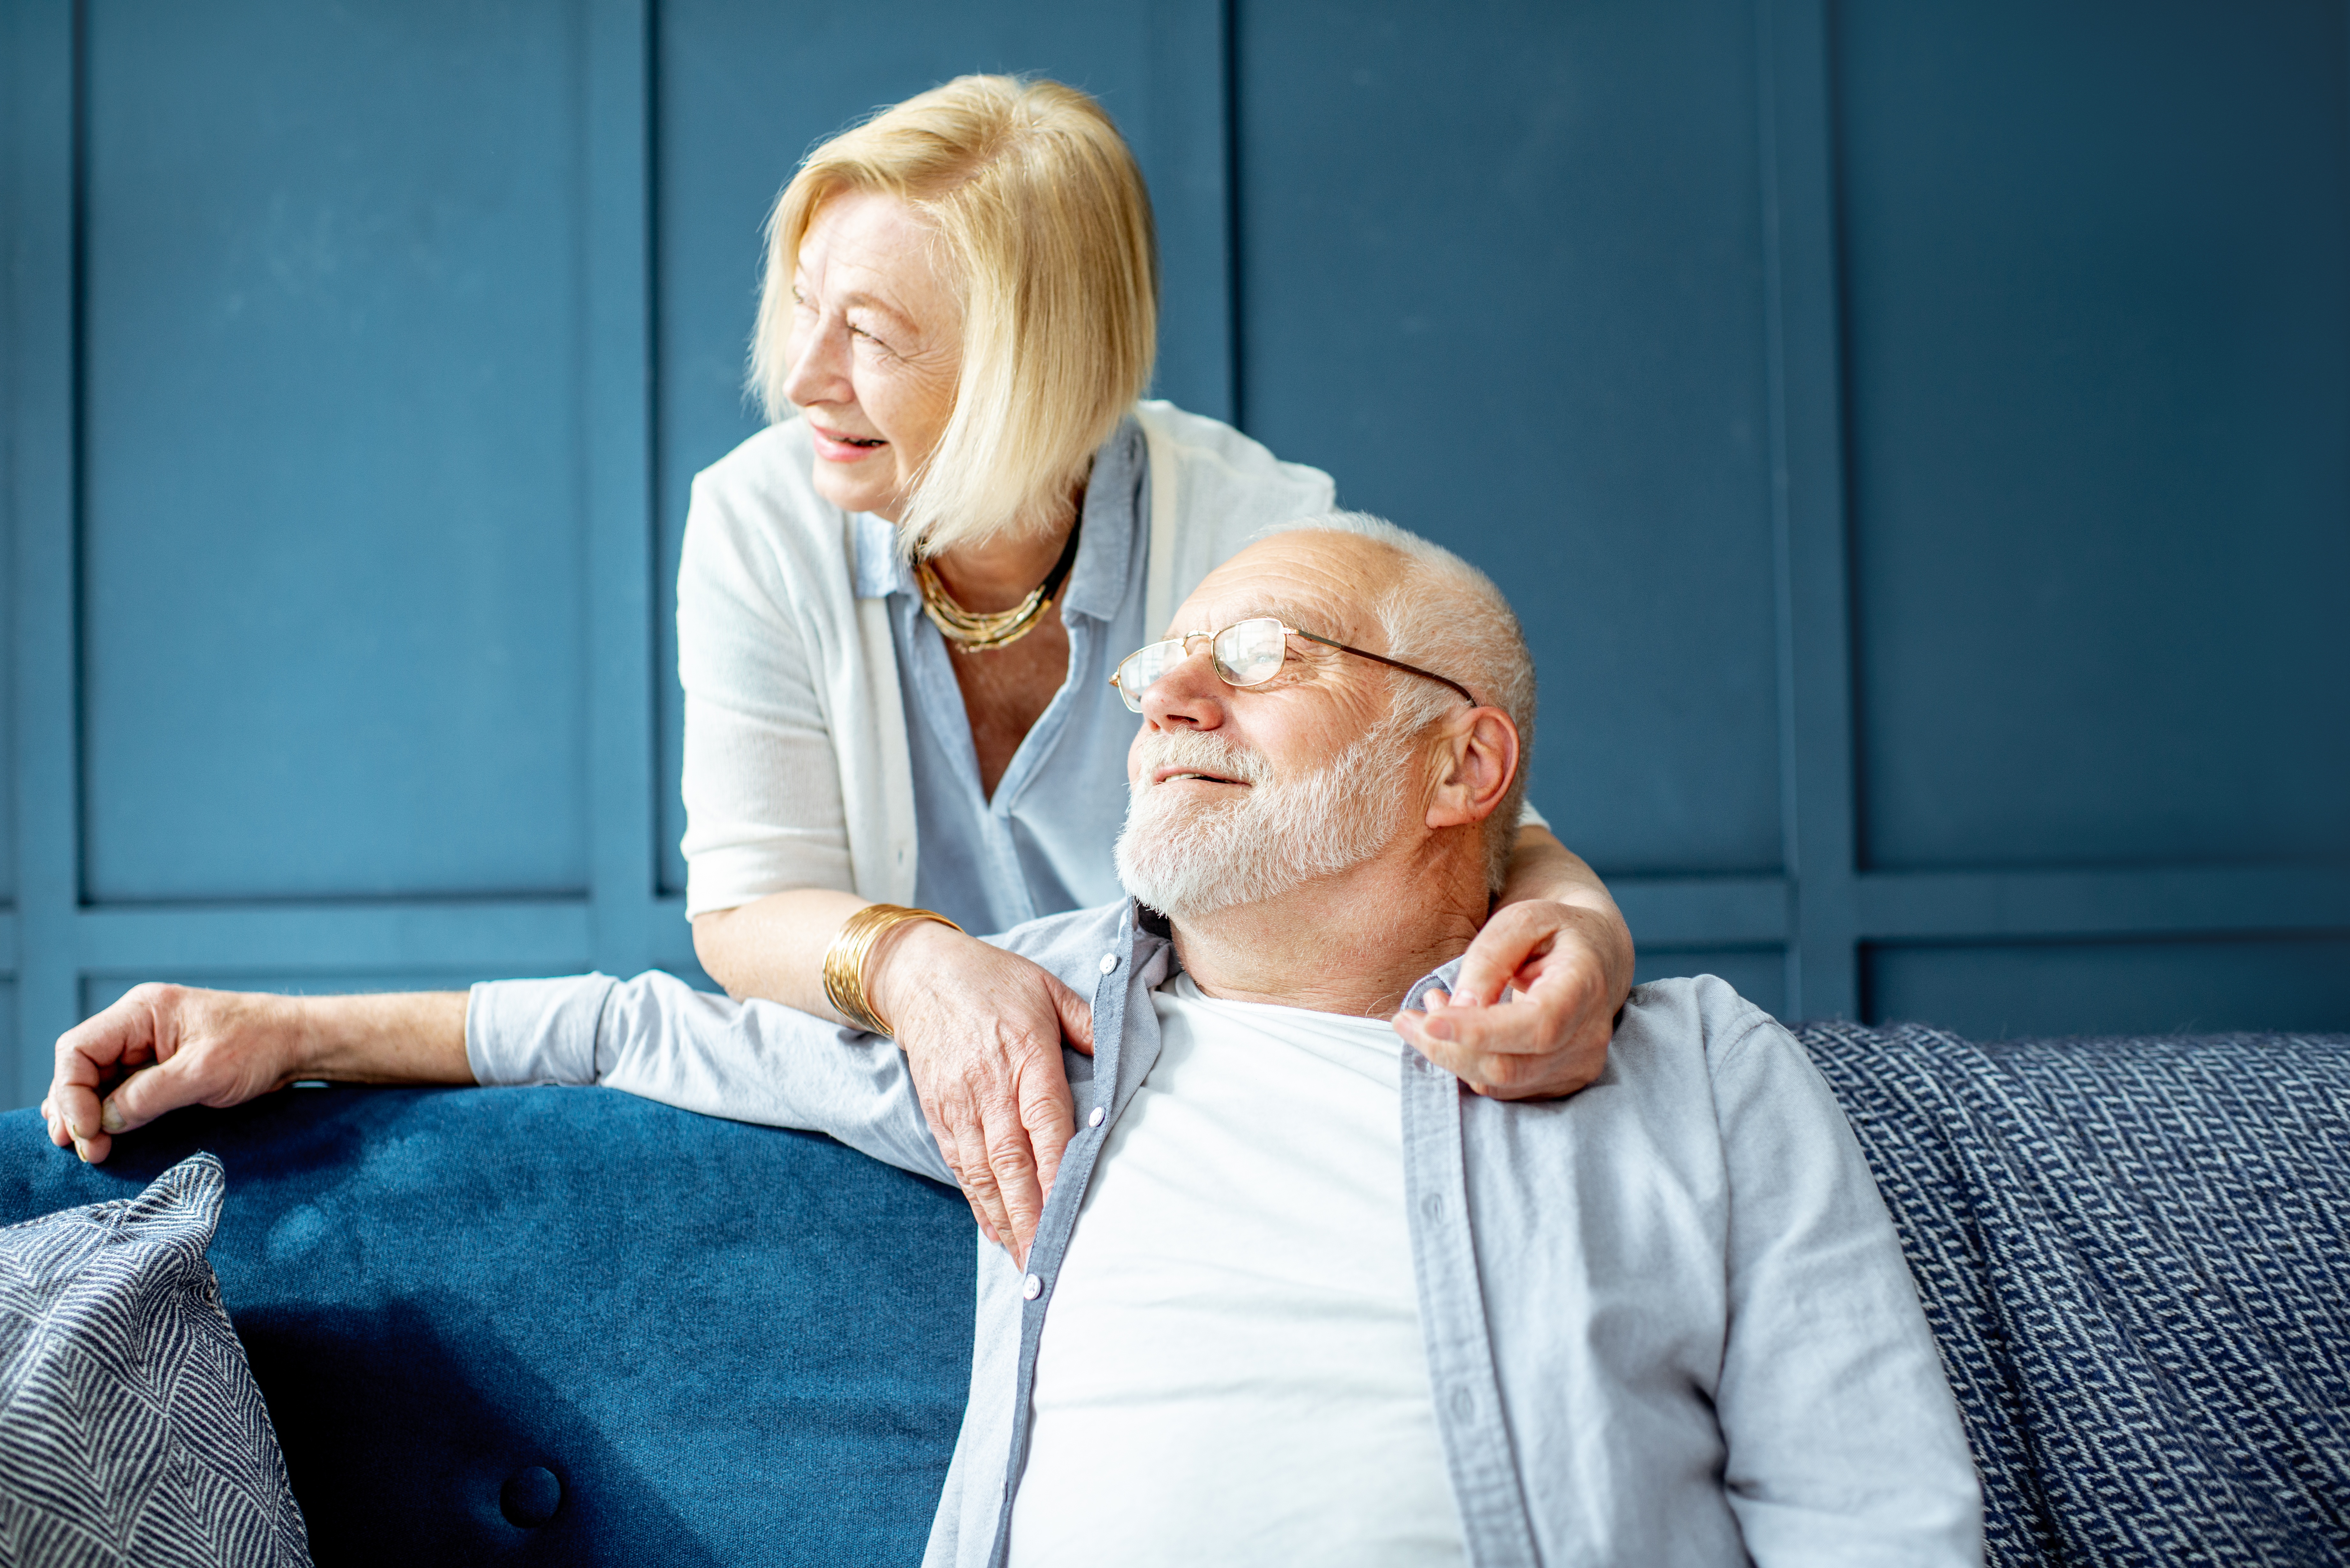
1076, 1021
978, 1178
980, 1132
983, 1031
1024, 1119
1551, 1038
1012, 1159
1515, 936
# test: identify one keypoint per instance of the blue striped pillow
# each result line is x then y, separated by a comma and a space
130, 1428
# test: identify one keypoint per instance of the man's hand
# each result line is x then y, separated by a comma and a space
159, 1048
1552, 1038
983, 1031
165, 1046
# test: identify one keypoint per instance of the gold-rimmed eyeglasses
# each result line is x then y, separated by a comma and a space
1245, 653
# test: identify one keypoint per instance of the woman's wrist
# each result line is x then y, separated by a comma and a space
1543, 870
1605, 934
907, 959
851, 963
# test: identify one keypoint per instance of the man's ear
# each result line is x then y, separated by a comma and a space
1476, 760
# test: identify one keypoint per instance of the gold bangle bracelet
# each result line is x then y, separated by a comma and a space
844, 962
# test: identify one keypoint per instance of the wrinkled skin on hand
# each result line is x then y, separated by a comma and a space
159, 1048
983, 1031
1551, 1039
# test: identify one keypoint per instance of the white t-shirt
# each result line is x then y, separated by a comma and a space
1234, 1372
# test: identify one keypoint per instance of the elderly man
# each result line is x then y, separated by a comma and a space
1298, 1297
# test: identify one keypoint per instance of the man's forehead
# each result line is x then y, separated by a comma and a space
1210, 612
1309, 587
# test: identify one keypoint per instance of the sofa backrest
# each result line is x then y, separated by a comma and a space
572, 1326
567, 1325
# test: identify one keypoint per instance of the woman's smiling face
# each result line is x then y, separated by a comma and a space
876, 349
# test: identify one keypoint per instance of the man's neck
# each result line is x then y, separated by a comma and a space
1354, 943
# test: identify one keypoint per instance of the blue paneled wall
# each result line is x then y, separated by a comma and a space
1917, 439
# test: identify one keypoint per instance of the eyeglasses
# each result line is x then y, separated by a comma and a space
1245, 653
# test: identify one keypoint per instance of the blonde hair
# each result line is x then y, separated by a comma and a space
1041, 211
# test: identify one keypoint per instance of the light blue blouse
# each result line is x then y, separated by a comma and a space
1043, 845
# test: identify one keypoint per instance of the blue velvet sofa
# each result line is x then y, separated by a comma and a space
563, 1326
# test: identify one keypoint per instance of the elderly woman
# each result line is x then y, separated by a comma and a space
900, 604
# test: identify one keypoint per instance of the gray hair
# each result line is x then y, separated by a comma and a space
1447, 615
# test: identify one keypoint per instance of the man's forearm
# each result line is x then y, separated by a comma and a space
161, 1047
412, 1037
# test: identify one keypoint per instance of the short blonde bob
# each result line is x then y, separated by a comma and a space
1043, 214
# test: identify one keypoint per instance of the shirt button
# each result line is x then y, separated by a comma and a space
1110, 962
1094, 1120
1032, 1287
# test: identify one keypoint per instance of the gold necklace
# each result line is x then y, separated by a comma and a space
975, 633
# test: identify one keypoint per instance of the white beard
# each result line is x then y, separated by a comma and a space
1186, 856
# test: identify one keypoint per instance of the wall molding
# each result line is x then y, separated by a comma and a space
1820, 913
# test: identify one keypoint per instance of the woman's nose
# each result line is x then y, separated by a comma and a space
819, 368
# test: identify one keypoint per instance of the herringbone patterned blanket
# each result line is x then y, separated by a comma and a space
2136, 1256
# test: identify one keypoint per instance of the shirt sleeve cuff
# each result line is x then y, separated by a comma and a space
535, 1031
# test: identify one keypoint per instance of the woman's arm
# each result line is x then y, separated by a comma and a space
774, 947
1557, 938
983, 1032
769, 864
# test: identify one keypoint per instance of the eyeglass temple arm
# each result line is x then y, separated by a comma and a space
1392, 663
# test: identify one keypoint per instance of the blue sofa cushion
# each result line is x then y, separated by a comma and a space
572, 1326
130, 1429
2136, 1256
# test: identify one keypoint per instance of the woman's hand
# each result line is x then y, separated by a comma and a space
983, 1031
1552, 1038
1558, 940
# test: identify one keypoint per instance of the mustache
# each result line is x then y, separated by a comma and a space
1190, 749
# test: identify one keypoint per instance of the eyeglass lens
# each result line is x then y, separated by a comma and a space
1246, 653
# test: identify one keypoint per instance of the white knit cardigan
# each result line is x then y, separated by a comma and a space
797, 769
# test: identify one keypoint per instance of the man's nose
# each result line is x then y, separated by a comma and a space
1189, 696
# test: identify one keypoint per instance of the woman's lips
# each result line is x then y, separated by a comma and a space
834, 446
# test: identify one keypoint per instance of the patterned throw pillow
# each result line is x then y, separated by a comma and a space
131, 1429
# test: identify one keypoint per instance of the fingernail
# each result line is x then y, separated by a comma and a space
82, 1149
109, 1117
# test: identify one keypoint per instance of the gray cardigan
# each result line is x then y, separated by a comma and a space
1667, 1319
